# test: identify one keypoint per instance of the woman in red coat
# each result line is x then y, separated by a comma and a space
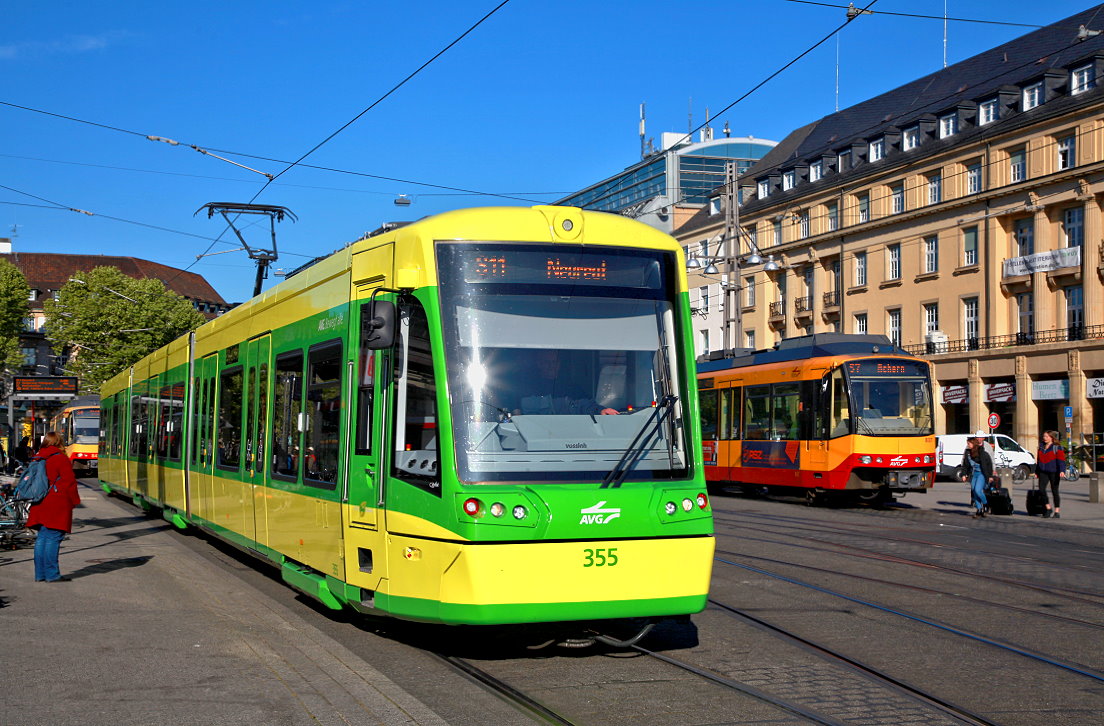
53, 516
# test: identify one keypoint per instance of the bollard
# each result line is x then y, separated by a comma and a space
1096, 485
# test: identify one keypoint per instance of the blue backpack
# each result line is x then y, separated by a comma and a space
33, 484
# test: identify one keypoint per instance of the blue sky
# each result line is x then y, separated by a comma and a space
538, 101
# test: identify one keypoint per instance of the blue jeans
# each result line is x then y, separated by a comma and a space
46, 554
977, 492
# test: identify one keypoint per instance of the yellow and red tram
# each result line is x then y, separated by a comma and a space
79, 425
823, 414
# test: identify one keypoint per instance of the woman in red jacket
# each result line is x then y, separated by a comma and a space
53, 516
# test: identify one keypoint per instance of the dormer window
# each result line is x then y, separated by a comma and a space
948, 125
911, 138
816, 170
987, 112
1082, 79
877, 149
33, 295
1033, 96
789, 178
764, 189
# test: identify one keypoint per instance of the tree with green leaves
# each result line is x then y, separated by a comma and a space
14, 294
106, 321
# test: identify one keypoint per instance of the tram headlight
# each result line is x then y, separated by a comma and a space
520, 512
473, 507
687, 505
670, 508
498, 509
865, 460
928, 459
877, 460
702, 500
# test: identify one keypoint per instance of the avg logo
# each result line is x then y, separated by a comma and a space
598, 515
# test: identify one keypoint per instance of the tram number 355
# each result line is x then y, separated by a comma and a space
600, 557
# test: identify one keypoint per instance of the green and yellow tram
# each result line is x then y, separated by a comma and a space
488, 416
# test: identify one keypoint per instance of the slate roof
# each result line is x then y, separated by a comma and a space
50, 271
1007, 67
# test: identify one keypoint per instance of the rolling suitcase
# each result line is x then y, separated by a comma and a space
999, 501
1037, 502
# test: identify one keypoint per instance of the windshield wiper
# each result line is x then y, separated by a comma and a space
641, 444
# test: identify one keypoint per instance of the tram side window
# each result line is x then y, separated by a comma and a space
840, 422
173, 397
757, 426
365, 381
708, 414
197, 420
415, 433
287, 405
230, 418
251, 413
323, 428
163, 412
262, 417
139, 417
105, 424
785, 405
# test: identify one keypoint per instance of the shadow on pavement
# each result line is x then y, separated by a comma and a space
101, 568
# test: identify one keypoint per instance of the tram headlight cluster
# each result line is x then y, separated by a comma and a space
866, 459
671, 508
475, 509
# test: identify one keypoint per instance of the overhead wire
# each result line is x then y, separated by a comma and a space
917, 15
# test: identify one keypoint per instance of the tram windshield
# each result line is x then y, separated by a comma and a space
86, 429
890, 397
560, 361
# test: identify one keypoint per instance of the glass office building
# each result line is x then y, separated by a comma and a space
682, 176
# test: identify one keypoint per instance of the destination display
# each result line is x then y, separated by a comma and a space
551, 266
887, 369
44, 384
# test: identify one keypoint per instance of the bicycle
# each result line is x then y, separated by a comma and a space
1078, 455
13, 518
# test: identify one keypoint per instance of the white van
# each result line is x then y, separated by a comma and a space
1006, 453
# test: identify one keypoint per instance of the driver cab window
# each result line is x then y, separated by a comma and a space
415, 432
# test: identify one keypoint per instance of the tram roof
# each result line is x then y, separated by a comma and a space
804, 347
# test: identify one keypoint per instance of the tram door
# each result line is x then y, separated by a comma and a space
255, 472
365, 475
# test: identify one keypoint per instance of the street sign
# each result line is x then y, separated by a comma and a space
994, 420
1069, 413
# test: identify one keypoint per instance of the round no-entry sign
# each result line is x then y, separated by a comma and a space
994, 420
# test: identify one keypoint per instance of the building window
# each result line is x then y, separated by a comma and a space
833, 217
911, 138
764, 189
970, 246
1067, 152
864, 207
704, 247
816, 170
931, 254
1032, 96
973, 178
1082, 79
803, 224
1073, 226
1075, 312
970, 320
860, 324
860, 269
1023, 233
877, 149
894, 326
935, 189
931, 317
897, 197
30, 355
705, 342
948, 125
843, 161
1017, 166
777, 232
749, 291
32, 295
703, 299
1025, 314
749, 339
893, 262
987, 112
752, 237
789, 178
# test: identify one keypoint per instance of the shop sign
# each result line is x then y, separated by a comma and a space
957, 394
1043, 262
1094, 388
1050, 390
995, 392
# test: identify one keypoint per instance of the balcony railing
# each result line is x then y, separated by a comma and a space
778, 309
1040, 337
803, 304
832, 299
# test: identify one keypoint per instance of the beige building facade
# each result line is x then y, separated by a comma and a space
959, 215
